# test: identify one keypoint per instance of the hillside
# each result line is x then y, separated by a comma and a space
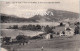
51, 16
13, 19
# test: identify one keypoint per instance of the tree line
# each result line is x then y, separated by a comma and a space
47, 28
31, 27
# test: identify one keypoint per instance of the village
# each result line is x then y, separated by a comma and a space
62, 30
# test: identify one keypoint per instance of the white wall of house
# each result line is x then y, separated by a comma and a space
69, 33
47, 36
60, 33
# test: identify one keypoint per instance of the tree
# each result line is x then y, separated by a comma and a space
77, 30
24, 27
77, 23
63, 32
15, 27
30, 27
33, 27
10, 27
61, 24
6, 39
38, 27
22, 39
48, 29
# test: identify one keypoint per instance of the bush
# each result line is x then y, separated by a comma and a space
61, 24
22, 38
77, 30
6, 39
31, 27
15, 27
48, 29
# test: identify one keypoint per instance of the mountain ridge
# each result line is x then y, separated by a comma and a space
51, 16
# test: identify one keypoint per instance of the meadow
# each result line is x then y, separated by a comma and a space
55, 44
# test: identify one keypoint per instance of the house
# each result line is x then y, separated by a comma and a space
63, 31
47, 35
59, 29
69, 32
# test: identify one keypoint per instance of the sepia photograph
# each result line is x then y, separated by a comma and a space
39, 25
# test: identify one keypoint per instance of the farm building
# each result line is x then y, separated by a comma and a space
47, 35
69, 31
63, 31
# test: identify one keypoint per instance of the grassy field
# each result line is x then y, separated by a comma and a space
47, 49
55, 44
13, 33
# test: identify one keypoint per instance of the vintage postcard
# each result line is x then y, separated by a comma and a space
39, 25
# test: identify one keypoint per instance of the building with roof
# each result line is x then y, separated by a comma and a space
63, 31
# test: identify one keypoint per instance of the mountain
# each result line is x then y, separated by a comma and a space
13, 19
51, 15
56, 16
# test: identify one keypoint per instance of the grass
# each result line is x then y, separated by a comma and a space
13, 33
55, 44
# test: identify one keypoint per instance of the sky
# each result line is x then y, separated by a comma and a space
28, 10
